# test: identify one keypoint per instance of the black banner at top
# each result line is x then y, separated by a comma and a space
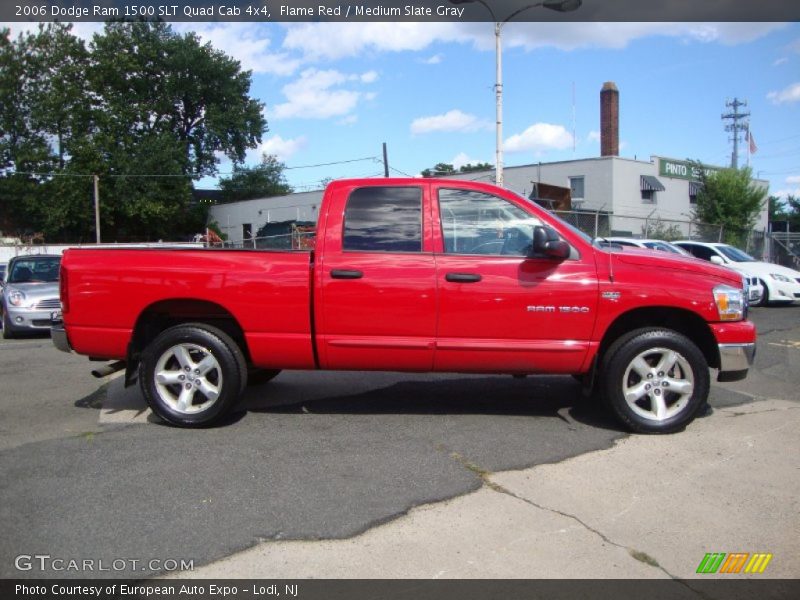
402, 10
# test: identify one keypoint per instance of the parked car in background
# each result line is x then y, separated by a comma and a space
781, 284
755, 291
647, 244
29, 294
2, 271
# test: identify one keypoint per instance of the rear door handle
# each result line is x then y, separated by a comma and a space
346, 274
463, 277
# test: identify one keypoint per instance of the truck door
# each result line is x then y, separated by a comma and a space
500, 311
376, 280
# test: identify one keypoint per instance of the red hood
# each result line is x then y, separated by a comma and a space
657, 259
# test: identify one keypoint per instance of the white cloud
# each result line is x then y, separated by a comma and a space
332, 41
283, 149
780, 61
433, 60
594, 137
245, 42
793, 179
787, 95
453, 120
317, 94
461, 159
539, 137
786, 192
369, 77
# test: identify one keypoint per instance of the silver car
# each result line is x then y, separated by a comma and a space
29, 294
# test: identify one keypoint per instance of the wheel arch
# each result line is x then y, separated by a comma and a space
167, 313
685, 322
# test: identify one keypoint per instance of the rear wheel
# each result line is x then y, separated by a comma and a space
655, 380
192, 374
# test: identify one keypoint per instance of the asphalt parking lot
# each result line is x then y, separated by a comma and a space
88, 474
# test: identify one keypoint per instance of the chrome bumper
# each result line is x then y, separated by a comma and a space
60, 340
735, 360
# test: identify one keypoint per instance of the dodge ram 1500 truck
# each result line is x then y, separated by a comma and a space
413, 275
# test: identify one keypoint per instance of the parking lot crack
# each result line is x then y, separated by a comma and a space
485, 476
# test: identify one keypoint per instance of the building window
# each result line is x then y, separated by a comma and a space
384, 219
694, 189
576, 189
649, 186
247, 231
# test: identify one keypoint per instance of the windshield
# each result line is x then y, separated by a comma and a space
36, 269
735, 254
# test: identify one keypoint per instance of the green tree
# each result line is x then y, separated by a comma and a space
146, 109
264, 180
785, 211
470, 168
439, 170
729, 198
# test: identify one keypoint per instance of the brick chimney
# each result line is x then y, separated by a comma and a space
609, 119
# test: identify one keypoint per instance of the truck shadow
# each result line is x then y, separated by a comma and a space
547, 396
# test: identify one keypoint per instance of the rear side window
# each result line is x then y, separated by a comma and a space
383, 219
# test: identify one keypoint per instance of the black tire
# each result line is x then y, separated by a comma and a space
665, 376
204, 393
257, 376
8, 333
765, 298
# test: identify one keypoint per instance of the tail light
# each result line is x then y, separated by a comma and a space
63, 289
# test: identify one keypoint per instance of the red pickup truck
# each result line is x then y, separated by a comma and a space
413, 275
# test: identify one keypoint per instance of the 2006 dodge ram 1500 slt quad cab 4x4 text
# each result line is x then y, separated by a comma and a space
413, 275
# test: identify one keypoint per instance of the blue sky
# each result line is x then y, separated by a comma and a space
335, 91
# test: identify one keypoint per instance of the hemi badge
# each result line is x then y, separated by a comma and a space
613, 296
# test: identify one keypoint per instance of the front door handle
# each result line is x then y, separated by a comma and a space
463, 277
346, 274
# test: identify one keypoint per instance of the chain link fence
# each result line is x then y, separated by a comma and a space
605, 224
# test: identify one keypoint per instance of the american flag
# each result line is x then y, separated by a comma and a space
753, 147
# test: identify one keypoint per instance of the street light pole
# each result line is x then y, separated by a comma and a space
498, 92
557, 5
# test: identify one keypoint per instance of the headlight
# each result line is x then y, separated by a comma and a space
730, 303
16, 298
779, 277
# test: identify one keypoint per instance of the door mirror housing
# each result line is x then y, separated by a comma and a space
717, 260
546, 243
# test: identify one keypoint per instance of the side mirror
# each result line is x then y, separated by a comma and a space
717, 260
547, 243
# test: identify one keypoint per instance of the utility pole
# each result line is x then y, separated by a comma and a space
736, 126
97, 206
385, 161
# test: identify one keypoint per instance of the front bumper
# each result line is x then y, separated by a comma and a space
26, 319
735, 360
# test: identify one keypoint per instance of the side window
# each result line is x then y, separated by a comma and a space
383, 219
701, 252
478, 223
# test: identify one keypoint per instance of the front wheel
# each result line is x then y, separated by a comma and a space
655, 380
192, 374
764, 301
8, 334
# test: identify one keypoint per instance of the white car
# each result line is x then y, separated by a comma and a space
781, 284
647, 244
